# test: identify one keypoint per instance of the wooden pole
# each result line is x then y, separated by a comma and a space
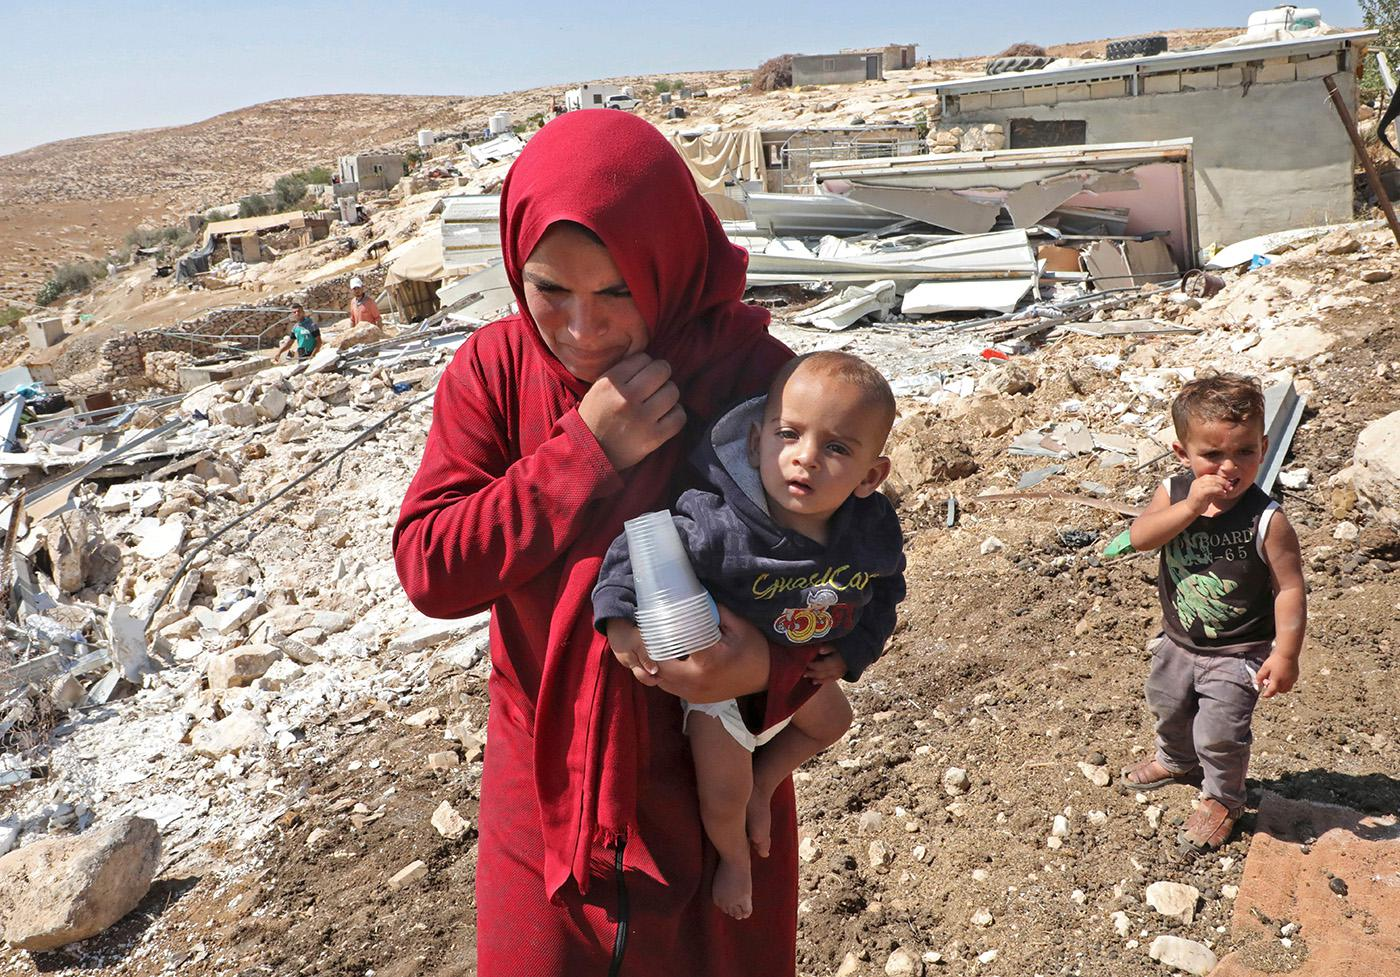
1372, 176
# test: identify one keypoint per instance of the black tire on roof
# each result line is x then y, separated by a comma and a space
1136, 47
998, 66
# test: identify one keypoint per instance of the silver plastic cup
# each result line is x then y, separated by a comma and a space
675, 614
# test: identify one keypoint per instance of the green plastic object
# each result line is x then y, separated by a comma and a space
1121, 545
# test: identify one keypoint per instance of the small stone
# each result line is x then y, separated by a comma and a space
1059, 827
409, 874
427, 717
1187, 955
920, 853
1346, 531
983, 918
991, 545
1096, 774
1339, 886
980, 875
1054, 843
1298, 478
1230, 891
444, 760
955, 781
850, 966
1154, 816
1339, 242
315, 837
932, 956
902, 963
448, 822
878, 854
987, 956
808, 850
1376, 275
870, 821
1096, 758
1173, 899
1121, 924
1097, 818
1078, 897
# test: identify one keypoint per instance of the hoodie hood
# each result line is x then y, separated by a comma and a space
722, 458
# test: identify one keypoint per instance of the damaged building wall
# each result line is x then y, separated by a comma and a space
1268, 157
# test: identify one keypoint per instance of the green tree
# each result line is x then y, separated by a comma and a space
1383, 16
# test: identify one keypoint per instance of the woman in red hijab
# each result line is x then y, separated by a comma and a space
550, 428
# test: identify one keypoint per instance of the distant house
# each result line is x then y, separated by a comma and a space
896, 57
1270, 151
372, 171
594, 96
837, 69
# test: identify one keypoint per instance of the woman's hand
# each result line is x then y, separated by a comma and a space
633, 409
630, 652
735, 665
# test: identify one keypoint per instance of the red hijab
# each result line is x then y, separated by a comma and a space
617, 175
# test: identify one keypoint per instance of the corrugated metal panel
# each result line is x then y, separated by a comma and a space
471, 231
1129, 67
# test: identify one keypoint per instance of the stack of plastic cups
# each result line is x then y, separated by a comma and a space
676, 615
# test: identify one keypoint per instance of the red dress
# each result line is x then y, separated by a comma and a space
591, 848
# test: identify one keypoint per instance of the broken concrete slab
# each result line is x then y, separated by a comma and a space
1038, 475
60, 890
126, 643
237, 614
1376, 469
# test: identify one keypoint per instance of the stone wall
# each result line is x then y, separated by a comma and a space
125, 356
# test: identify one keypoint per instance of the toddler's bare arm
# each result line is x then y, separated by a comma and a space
1280, 670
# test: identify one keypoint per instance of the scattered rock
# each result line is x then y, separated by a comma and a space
1174, 899
1376, 469
1346, 531
241, 666
902, 963
1376, 275
808, 850
983, 918
955, 781
59, 890
1187, 955
444, 760
850, 966
1338, 242
1121, 924
409, 874
448, 822
1059, 827
430, 716
1097, 775
878, 854
233, 734
991, 545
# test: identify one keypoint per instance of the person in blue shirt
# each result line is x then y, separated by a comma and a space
305, 334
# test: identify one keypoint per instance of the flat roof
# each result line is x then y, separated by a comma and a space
1151, 65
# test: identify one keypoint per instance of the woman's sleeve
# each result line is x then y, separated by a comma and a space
478, 522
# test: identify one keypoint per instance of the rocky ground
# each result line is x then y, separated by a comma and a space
965, 826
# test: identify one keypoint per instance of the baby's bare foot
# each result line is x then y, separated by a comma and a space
733, 889
759, 822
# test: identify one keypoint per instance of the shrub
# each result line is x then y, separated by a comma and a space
9, 315
75, 276
288, 192
665, 85
1024, 49
773, 74
254, 205
315, 175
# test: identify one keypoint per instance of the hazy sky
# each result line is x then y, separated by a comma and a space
77, 67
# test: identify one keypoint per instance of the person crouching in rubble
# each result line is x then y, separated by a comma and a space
305, 334
550, 428
1234, 608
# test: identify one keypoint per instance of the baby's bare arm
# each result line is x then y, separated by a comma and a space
1281, 549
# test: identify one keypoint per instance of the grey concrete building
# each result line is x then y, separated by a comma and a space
837, 69
371, 171
1270, 151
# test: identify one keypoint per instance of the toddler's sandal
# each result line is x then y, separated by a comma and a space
1128, 785
1208, 827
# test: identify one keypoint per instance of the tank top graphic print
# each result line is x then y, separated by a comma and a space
1214, 584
